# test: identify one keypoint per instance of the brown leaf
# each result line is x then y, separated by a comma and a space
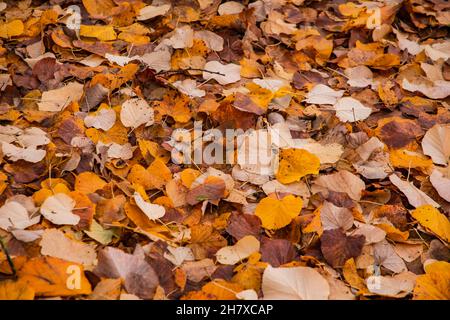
337, 247
138, 276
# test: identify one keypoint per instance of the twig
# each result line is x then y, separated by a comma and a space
8, 258
192, 69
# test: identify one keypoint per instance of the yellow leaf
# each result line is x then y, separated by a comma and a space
250, 68
88, 182
188, 176
276, 214
315, 225
15, 290
140, 176
115, 80
52, 277
133, 38
295, 164
222, 289
98, 8
117, 134
352, 277
435, 284
103, 33
11, 29
153, 149
249, 278
159, 174
434, 221
393, 233
403, 158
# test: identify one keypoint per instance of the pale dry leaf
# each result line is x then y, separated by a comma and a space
404, 43
58, 209
342, 181
438, 89
119, 60
222, 73
359, 77
152, 211
30, 154
248, 294
149, 12
408, 252
55, 243
327, 153
104, 119
13, 215
322, 94
136, 112
415, 196
230, 7
441, 184
212, 40
435, 143
397, 286
437, 51
157, 60
385, 255
178, 255
138, 276
296, 283
333, 217
240, 250
298, 188
189, 87
27, 235
180, 38
351, 110
57, 99
371, 233
199, 270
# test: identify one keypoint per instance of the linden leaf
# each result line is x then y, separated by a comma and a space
295, 164
435, 283
297, 283
88, 182
434, 221
15, 290
240, 250
49, 277
276, 214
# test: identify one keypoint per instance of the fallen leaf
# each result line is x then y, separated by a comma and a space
240, 250
276, 214
59, 209
435, 144
58, 99
152, 211
55, 244
435, 283
351, 110
50, 277
322, 94
223, 74
135, 112
295, 164
138, 276
297, 283
415, 197
434, 221
337, 247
